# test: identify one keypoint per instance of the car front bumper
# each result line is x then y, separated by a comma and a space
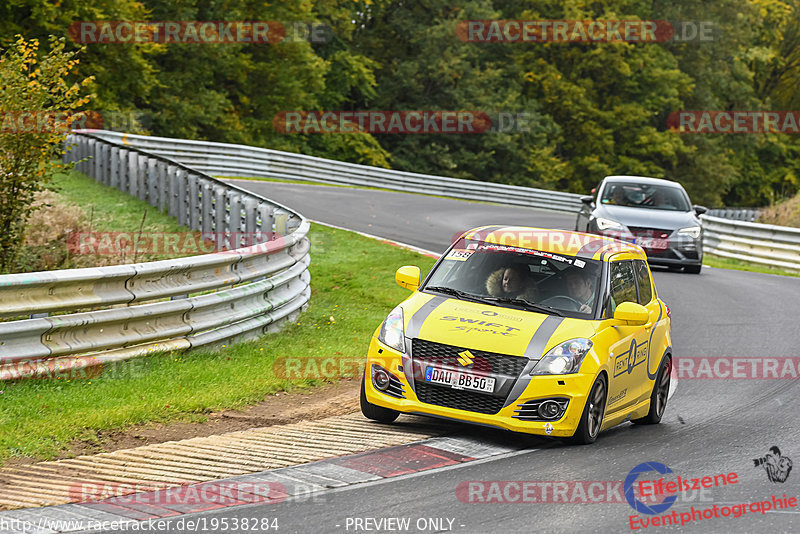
573, 388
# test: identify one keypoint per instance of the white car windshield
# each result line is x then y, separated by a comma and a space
642, 195
521, 277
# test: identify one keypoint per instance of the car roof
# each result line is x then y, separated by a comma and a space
564, 242
642, 180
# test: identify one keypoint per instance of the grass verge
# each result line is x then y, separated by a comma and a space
352, 291
718, 262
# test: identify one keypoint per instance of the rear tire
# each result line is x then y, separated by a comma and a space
659, 396
376, 413
693, 269
593, 412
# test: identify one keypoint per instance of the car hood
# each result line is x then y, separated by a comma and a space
648, 218
489, 328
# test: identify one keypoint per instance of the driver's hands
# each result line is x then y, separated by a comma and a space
585, 308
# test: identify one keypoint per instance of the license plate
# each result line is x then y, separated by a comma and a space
459, 380
653, 243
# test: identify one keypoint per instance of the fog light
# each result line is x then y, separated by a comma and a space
380, 378
549, 409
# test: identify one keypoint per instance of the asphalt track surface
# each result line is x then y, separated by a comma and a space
711, 426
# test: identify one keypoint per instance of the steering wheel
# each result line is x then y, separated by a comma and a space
554, 302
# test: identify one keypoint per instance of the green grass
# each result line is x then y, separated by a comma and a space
113, 210
718, 262
352, 281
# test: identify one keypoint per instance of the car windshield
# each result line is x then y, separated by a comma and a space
518, 277
643, 195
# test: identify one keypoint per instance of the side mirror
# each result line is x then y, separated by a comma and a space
699, 210
408, 276
632, 313
587, 199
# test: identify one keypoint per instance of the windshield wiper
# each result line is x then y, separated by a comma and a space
455, 293
526, 303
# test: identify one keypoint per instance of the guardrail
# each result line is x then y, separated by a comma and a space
763, 244
223, 159
162, 305
738, 214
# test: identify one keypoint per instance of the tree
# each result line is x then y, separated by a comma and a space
38, 104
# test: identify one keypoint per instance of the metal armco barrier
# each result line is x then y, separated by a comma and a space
224, 159
176, 304
764, 244
738, 214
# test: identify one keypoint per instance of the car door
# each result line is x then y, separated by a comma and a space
656, 325
629, 344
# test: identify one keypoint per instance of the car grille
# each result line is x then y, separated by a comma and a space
459, 399
489, 363
641, 231
428, 353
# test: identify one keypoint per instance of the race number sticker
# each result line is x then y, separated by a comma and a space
459, 254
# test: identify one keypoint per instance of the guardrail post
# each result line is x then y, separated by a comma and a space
250, 214
163, 186
141, 177
152, 182
123, 169
235, 219
207, 206
106, 163
220, 211
194, 201
113, 166
180, 196
265, 220
281, 221
97, 160
172, 187
133, 174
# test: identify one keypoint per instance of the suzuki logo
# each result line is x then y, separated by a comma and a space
465, 358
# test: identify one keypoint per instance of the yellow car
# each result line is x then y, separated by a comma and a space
537, 331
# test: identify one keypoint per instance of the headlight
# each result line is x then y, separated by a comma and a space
692, 231
391, 333
607, 224
563, 359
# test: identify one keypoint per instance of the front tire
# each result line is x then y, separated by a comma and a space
376, 413
593, 412
659, 396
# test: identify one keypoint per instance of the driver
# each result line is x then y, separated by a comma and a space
512, 282
579, 288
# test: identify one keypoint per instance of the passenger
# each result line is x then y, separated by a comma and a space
512, 282
580, 289
660, 200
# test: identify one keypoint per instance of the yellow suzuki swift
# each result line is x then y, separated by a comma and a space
537, 331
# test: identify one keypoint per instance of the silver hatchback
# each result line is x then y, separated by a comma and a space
653, 213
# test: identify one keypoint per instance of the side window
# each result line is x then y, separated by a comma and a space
623, 283
643, 280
